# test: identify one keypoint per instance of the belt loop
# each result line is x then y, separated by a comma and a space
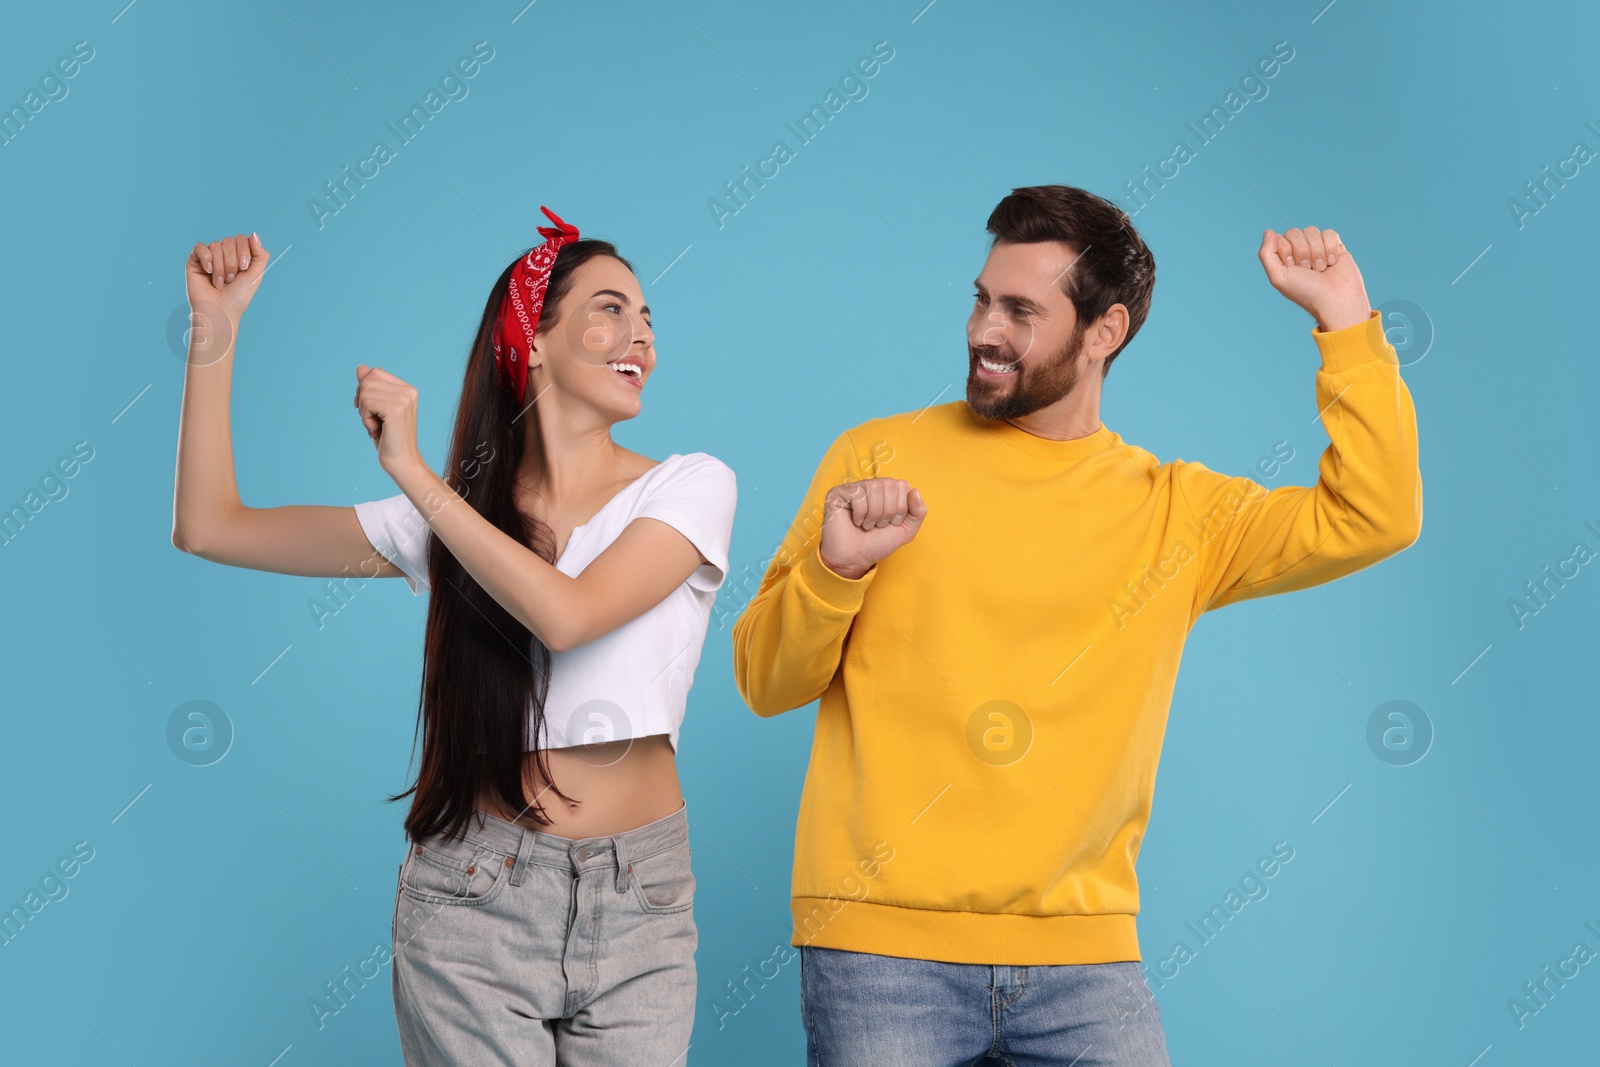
519, 870
624, 868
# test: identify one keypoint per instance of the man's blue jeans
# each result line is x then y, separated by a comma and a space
865, 1010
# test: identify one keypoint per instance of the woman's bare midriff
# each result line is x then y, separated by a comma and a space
615, 786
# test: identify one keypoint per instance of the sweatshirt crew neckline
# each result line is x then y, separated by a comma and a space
1068, 451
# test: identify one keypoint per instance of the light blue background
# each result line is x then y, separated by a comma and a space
221, 899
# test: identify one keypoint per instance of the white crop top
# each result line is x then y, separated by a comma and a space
633, 681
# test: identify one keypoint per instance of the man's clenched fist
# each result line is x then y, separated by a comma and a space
1314, 269
862, 522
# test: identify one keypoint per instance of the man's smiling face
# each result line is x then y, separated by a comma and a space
1023, 339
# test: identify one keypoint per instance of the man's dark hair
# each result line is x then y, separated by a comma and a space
1113, 265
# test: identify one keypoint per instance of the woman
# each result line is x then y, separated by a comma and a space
544, 911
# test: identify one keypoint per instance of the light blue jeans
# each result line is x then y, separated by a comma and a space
513, 946
864, 1010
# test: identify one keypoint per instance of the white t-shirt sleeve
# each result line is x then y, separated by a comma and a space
397, 529
697, 499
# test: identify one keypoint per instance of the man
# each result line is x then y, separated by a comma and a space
995, 633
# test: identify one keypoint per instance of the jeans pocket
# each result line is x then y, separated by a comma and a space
442, 870
664, 882
394, 919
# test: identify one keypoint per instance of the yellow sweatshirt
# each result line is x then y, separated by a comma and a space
994, 694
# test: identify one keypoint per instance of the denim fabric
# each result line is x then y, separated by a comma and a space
865, 1010
513, 946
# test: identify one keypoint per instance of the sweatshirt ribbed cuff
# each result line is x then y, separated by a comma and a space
1354, 345
835, 590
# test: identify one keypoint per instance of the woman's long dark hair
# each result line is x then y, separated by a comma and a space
484, 675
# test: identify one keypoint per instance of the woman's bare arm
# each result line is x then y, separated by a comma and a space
208, 518
637, 571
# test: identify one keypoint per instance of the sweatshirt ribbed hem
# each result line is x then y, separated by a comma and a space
962, 936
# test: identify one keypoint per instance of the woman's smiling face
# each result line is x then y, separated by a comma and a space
600, 349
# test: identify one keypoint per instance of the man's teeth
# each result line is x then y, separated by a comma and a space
631, 369
997, 368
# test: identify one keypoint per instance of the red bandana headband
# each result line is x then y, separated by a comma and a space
519, 314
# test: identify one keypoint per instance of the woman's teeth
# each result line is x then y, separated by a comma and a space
633, 370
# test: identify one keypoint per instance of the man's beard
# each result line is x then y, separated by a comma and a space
1031, 388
